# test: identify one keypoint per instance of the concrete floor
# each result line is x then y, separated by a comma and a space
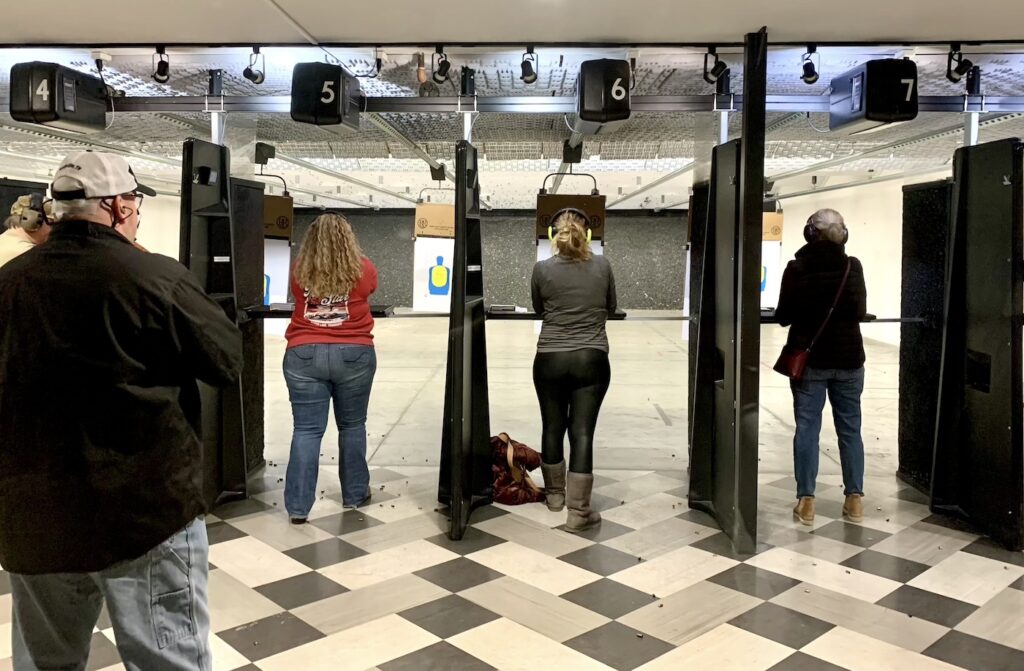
643, 421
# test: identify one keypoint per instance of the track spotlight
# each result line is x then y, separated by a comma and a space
956, 65
810, 71
442, 66
256, 72
529, 66
161, 66
717, 69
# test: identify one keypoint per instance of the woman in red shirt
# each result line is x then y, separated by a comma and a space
330, 356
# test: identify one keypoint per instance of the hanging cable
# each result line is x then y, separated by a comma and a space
286, 194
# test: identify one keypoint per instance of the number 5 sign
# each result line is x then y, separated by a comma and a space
318, 94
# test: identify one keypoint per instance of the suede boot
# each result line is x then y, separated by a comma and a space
854, 507
577, 496
804, 510
554, 485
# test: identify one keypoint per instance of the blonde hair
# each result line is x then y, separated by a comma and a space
330, 260
570, 239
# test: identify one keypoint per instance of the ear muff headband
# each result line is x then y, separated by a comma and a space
813, 233
570, 210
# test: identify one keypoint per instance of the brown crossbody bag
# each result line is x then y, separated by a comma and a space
793, 360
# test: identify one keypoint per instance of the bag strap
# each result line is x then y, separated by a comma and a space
835, 302
517, 470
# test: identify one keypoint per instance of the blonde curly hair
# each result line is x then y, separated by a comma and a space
570, 239
330, 260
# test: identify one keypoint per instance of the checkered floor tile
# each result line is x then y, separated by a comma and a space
656, 587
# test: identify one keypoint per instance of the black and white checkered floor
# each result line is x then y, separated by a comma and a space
656, 587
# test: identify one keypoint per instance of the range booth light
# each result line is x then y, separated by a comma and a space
602, 95
874, 94
58, 97
324, 94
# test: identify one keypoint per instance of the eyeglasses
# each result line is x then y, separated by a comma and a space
137, 197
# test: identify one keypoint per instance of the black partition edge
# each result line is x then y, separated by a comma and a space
247, 198
748, 282
978, 469
208, 250
697, 227
724, 433
712, 463
465, 479
925, 238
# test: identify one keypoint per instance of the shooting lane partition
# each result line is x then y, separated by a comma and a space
247, 234
697, 231
724, 432
926, 223
208, 250
978, 471
466, 480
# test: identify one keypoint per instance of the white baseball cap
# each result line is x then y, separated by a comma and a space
94, 174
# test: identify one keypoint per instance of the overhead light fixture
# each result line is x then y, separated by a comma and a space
421, 69
442, 66
161, 66
256, 72
717, 68
810, 71
956, 65
529, 66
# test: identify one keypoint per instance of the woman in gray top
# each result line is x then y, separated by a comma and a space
574, 292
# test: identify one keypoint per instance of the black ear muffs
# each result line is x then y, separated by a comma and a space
570, 210
812, 233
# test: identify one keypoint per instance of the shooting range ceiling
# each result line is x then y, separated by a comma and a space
147, 22
521, 148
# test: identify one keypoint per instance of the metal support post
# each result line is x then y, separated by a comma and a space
218, 127
971, 128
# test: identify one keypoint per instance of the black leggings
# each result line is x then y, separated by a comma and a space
570, 388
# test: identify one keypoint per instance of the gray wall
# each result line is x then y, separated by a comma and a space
646, 251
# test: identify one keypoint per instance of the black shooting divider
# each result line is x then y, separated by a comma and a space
724, 431
926, 223
978, 470
466, 481
208, 249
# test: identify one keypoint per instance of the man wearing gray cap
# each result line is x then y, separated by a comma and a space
101, 345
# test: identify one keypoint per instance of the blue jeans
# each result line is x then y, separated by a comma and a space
844, 388
316, 374
157, 605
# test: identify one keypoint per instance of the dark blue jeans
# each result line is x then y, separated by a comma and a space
844, 388
316, 375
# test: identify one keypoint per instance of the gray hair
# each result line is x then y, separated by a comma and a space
831, 225
80, 208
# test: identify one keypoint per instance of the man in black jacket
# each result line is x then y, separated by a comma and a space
100, 458
835, 366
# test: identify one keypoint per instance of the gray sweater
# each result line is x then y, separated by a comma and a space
575, 299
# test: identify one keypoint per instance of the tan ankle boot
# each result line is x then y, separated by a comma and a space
577, 497
804, 510
854, 507
554, 485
